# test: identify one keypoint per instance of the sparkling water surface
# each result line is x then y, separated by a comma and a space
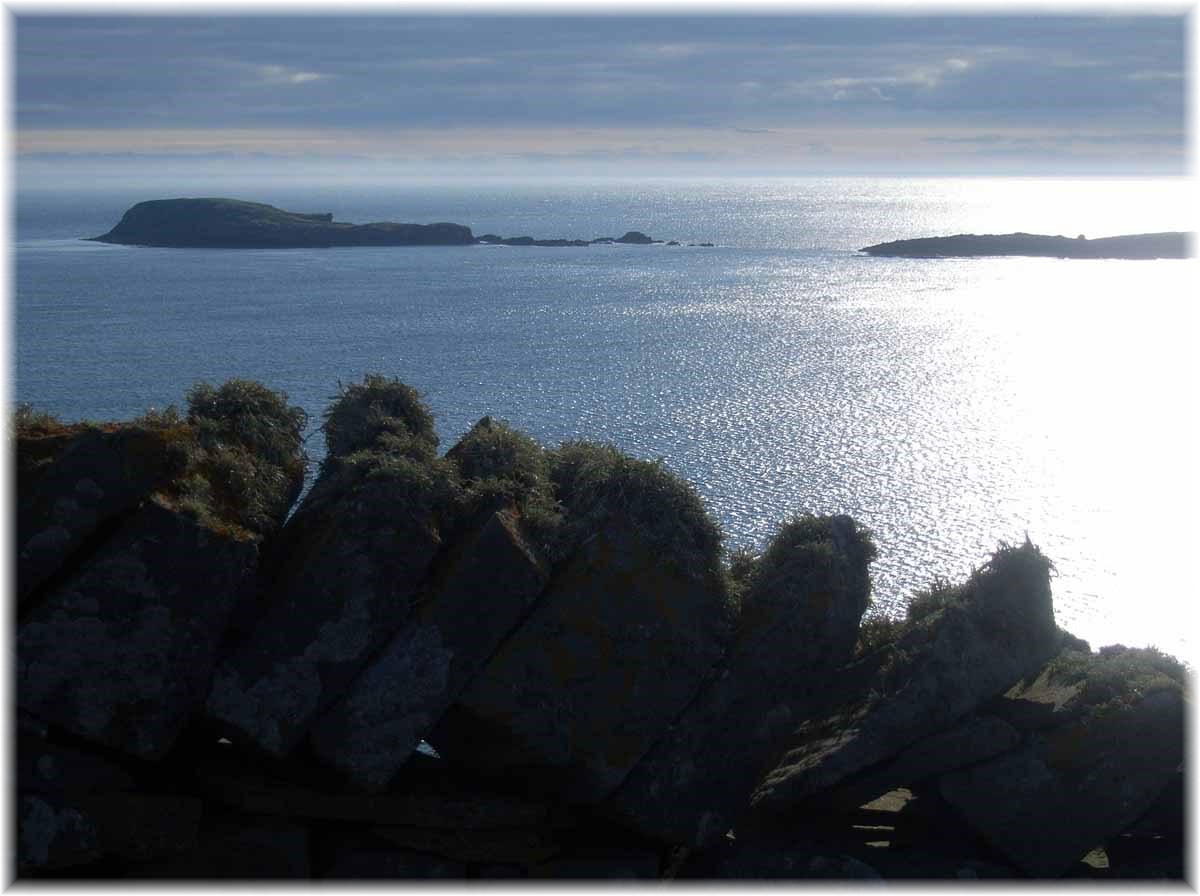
947, 404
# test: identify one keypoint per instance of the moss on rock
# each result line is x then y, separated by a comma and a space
593, 481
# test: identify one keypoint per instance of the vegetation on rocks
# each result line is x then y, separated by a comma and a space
30, 423
1119, 675
244, 462
499, 464
378, 406
836, 547
594, 481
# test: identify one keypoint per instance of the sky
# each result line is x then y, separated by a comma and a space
792, 93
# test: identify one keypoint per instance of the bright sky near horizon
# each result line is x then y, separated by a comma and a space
685, 93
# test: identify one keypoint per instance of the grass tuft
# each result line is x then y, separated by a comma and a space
364, 412
1118, 675
593, 481
500, 465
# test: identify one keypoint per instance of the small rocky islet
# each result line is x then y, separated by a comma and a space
210, 223
1171, 244
214, 681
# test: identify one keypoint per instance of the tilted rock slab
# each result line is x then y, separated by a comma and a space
935, 673
1074, 786
96, 476
973, 739
488, 582
121, 653
610, 656
690, 787
345, 586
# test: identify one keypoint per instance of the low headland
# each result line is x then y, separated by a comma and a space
1172, 244
237, 224
507, 661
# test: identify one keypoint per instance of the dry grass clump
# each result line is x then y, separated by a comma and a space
28, 423
383, 457
378, 406
1119, 675
1011, 570
830, 551
594, 480
876, 631
245, 464
499, 465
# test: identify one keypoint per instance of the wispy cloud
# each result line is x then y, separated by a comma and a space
274, 75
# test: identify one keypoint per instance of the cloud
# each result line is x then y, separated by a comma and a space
1154, 76
274, 75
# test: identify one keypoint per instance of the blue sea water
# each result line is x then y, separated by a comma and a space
947, 404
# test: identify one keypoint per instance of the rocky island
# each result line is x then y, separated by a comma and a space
211, 684
966, 245
236, 224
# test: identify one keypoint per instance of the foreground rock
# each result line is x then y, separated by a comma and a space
622, 702
87, 480
492, 577
614, 650
799, 622
135, 598
1142, 245
347, 568
1107, 743
975, 643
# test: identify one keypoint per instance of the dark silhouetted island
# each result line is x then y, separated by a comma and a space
964, 245
237, 224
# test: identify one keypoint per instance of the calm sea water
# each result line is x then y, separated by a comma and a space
947, 404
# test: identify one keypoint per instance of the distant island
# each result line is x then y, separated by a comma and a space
964, 245
237, 224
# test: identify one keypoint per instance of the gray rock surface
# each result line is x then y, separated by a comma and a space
121, 652
1073, 786
998, 630
96, 476
973, 739
491, 578
612, 653
351, 564
691, 786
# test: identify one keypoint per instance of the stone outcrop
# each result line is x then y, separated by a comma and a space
207, 691
491, 577
347, 571
1102, 758
119, 638
994, 632
799, 621
612, 653
121, 652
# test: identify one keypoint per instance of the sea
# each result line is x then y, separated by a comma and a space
950, 405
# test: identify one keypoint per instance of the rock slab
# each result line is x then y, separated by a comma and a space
121, 653
490, 580
612, 653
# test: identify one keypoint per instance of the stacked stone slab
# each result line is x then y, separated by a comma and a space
491, 577
1103, 737
131, 571
612, 653
348, 567
87, 478
799, 622
991, 633
607, 705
